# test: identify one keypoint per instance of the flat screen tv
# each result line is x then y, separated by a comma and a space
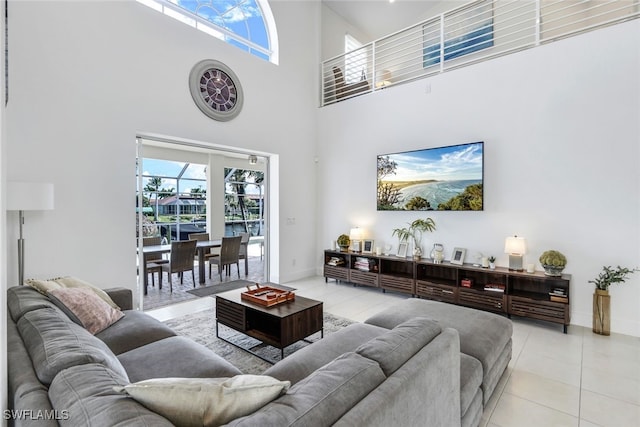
444, 178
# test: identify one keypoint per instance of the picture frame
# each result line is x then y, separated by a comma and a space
457, 257
402, 249
367, 246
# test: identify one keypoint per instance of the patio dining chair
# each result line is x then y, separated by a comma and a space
229, 254
199, 236
180, 260
153, 262
244, 246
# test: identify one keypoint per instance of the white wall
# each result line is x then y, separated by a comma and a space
562, 145
333, 30
86, 77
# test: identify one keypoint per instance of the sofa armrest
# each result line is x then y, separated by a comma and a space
121, 296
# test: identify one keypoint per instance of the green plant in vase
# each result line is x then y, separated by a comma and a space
492, 262
344, 241
601, 298
415, 231
553, 262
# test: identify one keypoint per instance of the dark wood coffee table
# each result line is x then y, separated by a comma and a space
278, 326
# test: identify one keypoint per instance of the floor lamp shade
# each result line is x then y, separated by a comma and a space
27, 196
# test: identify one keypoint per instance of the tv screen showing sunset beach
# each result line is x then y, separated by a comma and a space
444, 178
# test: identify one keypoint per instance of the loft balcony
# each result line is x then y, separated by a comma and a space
475, 32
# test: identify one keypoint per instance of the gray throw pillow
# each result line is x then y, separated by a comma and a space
323, 397
392, 349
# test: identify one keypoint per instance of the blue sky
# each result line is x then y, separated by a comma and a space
242, 17
190, 179
172, 169
457, 162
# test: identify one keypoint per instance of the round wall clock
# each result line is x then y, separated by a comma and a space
216, 90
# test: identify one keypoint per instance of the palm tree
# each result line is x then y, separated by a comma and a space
153, 185
238, 180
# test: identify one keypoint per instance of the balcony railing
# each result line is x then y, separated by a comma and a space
475, 32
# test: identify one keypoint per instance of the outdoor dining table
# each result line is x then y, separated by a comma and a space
202, 246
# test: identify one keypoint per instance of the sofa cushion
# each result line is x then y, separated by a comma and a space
85, 393
323, 397
85, 308
393, 348
55, 343
122, 297
134, 330
483, 335
470, 381
306, 360
25, 390
44, 286
23, 299
175, 357
424, 392
206, 401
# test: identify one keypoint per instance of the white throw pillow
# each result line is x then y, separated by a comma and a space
206, 401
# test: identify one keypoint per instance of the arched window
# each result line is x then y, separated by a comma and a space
246, 24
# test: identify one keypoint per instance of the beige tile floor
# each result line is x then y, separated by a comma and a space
578, 379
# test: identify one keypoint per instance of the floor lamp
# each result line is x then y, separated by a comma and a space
27, 196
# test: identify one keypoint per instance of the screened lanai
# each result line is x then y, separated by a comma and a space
184, 191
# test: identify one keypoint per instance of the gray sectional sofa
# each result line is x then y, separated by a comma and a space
391, 370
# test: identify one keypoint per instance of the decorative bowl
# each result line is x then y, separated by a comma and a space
552, 270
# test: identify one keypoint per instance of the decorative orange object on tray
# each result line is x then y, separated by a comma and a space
267, 295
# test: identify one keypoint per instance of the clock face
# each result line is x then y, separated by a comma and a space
216, 90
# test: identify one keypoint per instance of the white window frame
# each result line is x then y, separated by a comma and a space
355, 59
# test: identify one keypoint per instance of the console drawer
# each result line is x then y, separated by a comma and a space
363, 278
338, 273
544, 310
398, 284
436, 291
230, 314
481, 299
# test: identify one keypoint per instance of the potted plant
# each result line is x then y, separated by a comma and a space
602, 299
415, 231
553, 262
492, 262
343, 242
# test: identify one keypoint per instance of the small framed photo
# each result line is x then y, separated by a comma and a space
457, 257
367, 246
402, 249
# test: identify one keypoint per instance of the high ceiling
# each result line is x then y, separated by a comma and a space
378, 18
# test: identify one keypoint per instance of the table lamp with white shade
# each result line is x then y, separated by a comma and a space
516, 247
27, 196
355, 235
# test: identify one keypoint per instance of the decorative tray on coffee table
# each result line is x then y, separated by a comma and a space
267, 295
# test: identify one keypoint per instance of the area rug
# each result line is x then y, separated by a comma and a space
201, 327
224, 287
220, 287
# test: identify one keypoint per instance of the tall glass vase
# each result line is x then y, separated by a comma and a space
601, 312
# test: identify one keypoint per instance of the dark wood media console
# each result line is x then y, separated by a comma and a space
533, 295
